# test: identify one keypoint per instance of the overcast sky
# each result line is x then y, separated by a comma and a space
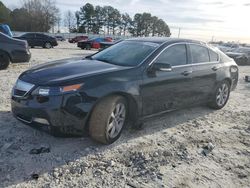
201, 19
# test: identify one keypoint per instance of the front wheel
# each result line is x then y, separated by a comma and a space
108, 119
220, 96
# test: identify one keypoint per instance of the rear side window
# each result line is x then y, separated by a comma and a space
29, 35
40, 36
213, 56
199, 53
174, 55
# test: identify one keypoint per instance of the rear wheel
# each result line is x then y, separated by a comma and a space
47, 45
221, 95
4, 60
108, 119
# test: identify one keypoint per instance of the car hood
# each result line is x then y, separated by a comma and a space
60, 71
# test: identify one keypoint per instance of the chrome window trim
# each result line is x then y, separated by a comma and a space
208, 48
164, 50
188, 64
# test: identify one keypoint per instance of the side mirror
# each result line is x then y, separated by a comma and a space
162, 67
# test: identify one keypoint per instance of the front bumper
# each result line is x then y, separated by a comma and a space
65, 112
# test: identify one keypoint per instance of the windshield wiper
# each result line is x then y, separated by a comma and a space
104, 60
89, 57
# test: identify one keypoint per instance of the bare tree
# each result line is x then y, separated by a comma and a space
43, 14
69, 20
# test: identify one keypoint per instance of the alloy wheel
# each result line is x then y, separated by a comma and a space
48, 45
116, 121
222, 94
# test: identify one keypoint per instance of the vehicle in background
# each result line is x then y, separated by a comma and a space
241, 55
104, 45
225, 47
60, 38
39, 39
128, 82
78, 38
4, 28
93, 43
12, 50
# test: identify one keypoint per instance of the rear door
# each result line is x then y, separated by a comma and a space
205, 64
30, 37
168, 90
40, 39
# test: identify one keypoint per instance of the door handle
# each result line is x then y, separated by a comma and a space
215, 68
186, 73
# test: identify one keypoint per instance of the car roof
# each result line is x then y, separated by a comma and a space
161, 40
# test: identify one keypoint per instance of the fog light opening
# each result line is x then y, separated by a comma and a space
41, 120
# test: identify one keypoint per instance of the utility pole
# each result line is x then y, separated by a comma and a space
212, 40
179, 33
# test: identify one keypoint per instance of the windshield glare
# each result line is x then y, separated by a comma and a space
126, 53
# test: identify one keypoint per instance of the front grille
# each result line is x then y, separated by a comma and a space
18, 92
21, 88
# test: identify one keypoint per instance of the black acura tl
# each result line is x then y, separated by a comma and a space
132, 80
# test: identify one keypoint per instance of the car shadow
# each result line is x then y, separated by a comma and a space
17, 140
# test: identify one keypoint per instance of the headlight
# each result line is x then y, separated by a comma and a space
45, 91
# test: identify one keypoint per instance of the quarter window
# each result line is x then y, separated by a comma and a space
199, 54
213, 56
174, 55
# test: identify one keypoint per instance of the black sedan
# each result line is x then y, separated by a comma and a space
127, 82
12, 50
39, 39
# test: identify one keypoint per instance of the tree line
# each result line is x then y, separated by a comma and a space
43, 15
109, 20
34, 15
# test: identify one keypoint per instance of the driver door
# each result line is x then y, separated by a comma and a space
171, 88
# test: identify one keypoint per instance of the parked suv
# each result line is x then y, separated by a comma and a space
39, 39
12, 50
131, 80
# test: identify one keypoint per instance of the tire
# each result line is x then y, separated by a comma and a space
47, 45
4, 60
103, 125
88, 47
220, 96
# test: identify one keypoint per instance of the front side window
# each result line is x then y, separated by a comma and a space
126, 53
174, 55
199, 53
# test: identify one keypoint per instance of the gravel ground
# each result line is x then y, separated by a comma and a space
195, 147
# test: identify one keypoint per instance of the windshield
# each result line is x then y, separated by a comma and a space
126, 53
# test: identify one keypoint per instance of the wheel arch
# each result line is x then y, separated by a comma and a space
228, 80
133, 107
8, 54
